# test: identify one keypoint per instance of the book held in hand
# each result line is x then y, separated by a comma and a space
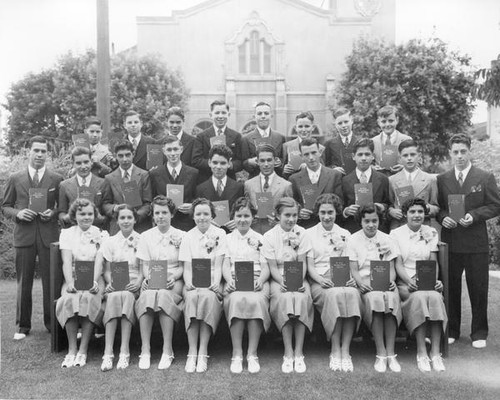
426, 274
309, 195
261, 140
158, 274
38, 201
84, 275
221, 212
340, 270
202, 273
404, 194
389, 157
293, 275
363, 193
221, 139
265, 204
131, 194
176, 194
456, 206
85, 192
119, 275
154, 156
243, 271
81, 140
380, 275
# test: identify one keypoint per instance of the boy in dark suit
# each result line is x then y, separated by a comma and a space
175, 124
467, 238
33, 232
103, 161
133, 125
364, 173
219, 186
219, 113
174, 171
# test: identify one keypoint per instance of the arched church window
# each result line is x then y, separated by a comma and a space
254, 55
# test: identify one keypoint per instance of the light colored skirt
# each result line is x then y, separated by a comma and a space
119, 304
336, 302
204, 305
421, 306
287, 305
382, 302
248, 305
82, 304
168, 301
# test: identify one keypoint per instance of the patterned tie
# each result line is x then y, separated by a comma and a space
174, 174
460, 178
346, 142
84, 182
363, 178
388, 141
134, 144
219, 132
266, 183
126, 177
219, 187
36, 178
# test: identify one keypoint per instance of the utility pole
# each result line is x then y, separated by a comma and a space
103, 68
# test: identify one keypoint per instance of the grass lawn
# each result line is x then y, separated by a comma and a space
29, 370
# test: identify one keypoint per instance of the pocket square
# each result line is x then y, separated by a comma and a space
52, 189
476, 189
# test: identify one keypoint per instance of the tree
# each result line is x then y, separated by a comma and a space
55, 102
489, 87
430, 85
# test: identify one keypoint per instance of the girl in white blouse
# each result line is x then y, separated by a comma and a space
250, 308
203, 306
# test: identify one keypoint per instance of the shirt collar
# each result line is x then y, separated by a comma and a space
137, 138
392, 136
177, 168
122, 171
223, 129
349, 138
215, 180
80, 179
464, 171
264, 133
368, 174
32, 171
412, 174
263, 178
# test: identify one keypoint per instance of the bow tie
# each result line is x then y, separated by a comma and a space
415, 235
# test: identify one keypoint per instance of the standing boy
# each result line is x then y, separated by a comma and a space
467, 238
103, 161
133, 125
175, 125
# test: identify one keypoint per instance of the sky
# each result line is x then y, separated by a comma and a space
34, 33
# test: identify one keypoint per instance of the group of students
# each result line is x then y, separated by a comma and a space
335, 226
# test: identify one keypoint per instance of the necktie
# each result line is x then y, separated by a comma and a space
388, 141
314, 178
219, 132
126, 177
219, 187
346, 143
84, 182
460, 178
363, 178
266, 183
36, 178
174, 174
134, 143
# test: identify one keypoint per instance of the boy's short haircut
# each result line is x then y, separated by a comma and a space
219, 103
79, 151
340, 111
124, 145
385, 111
38, 139
221, 150
262, 103
363, 142
305, 114
265, 148
131, 113
460, 138
92, 121
308, 142
175, 111
171, 139
407, 143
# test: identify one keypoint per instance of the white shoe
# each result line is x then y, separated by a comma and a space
299, 365
253, 364
165, 361
191, 363
451, 340
80, 360
123, 361
479, 344
202, 364
335, 363
107, 363
69, 361
236, 365
144, 361
393, 364
287, 365
380, 364
347, 364
437, 363
19, 336
424, 364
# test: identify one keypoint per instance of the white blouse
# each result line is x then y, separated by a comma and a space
326, 244
245, 248
118, 249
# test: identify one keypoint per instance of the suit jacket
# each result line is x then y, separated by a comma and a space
337, 155
482, 202
330, 181
201, 147
279, 188
16, 198
380, 184
248, 149
141, 152
232, 191
188, 176
112, 194
187, 142
292, 147
424, 187
378, 145
68, 193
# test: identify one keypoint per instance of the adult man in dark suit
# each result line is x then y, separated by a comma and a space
175, 124
262, 133
219, 186
174, 171
219, 112
133, 124
338, 150
467, 238
364, 173
112, 192
83, 184
323, 179
33, 232
266, 181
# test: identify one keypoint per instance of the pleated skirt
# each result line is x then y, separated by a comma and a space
383, 302
168, 301
204, 305
82, 303
119, 304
